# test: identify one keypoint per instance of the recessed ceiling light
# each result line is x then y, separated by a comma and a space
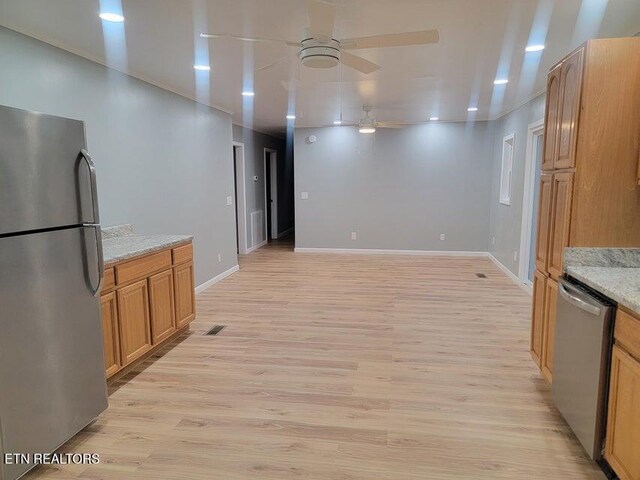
248, 93
367, 130
202, 68
434, 118
500, 81
291, 117
534, 48
111, 17
337, 122
472, 109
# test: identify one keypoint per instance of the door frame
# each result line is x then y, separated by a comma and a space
273, 187
241, 197
534, 130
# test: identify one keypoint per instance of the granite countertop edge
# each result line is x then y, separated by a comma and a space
126, 247
620, 284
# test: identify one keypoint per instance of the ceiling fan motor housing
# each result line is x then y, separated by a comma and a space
317, 54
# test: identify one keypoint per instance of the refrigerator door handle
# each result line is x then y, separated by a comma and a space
95, 290
94, 186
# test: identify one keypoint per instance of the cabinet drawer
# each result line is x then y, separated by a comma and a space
627, 332
109, 280
182, 254
143, 267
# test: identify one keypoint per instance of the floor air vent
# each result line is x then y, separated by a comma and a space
215, 330
481, 275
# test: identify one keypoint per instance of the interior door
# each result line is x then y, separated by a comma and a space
551, 118
44, 181
52, 372
570, 88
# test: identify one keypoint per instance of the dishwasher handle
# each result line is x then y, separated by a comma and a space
577, 301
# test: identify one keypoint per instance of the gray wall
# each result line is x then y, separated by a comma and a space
254, 145
398, 189
506, 221
164, 162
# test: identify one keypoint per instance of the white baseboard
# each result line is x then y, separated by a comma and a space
217, 279
377, 251
256, 247
286, 232
509, 274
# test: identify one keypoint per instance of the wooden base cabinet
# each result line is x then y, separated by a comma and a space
537, 328
622, 449
549, 328
111, 332
144, 303
135, 323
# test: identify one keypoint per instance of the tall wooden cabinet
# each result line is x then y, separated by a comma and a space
589, 193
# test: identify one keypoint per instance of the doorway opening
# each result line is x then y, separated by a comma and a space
533, 164
271, 194
240, 197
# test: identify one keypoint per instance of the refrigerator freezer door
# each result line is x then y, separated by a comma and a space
44, 181
52, 377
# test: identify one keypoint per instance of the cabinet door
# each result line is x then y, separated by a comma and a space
135, 328
549, 328
185, 294
551, 118
544, 221
163, 318
622, 449
562, 192
537, 315
110, 333
570, 88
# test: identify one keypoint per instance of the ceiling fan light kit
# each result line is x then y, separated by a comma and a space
316, 54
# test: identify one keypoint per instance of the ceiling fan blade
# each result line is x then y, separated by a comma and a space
361, 64
321, 18
272, 64
391, 40
248, 39
389, 125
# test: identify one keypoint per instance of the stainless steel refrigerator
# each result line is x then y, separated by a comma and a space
52, 377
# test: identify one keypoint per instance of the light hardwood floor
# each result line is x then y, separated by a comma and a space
342, 367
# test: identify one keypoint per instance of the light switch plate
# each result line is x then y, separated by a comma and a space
229, 200
354, 235
304, 195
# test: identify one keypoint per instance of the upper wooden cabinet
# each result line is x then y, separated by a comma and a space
560, 220
568, 111
551, 118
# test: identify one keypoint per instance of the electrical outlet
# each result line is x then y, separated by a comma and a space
219, 258
229, 200
442, 236
515, 256
354, 235
304, 195
493, 240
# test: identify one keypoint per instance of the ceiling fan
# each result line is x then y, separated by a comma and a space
368, 124
319, 48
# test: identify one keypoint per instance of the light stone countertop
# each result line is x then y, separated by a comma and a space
121, 243
614, 272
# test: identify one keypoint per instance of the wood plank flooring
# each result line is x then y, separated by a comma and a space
342, 367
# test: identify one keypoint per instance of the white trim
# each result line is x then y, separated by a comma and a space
377, 251
286, 232
509, 273
256, 247
506, 169
273, 188
202, 287
527, 199
241, 200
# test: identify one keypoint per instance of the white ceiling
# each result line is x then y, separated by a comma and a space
479, 40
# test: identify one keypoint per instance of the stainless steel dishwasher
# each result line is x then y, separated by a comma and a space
584, 338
